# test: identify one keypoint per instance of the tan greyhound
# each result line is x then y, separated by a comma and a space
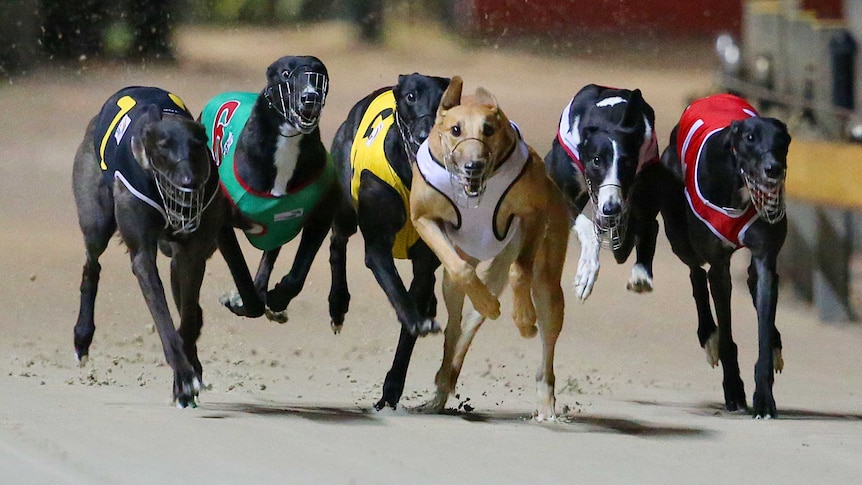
481, 193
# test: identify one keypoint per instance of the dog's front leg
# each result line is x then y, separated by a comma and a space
186, 383
588, 263
461, 272
765, 303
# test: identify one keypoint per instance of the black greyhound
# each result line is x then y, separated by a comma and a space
729, 167
144, 167
375, 170
605, 152
278, 177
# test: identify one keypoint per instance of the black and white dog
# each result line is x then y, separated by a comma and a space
729, 166
605, 152
278, 177
144, 168
374, 150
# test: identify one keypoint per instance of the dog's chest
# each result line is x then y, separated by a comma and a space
285, 159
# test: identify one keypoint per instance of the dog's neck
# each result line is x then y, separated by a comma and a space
285, 158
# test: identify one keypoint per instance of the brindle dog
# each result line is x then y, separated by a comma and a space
143, 167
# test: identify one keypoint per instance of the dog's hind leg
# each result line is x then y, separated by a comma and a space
707, 331
720, 288
95, 205
422, 293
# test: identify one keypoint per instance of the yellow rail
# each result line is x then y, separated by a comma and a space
827, 173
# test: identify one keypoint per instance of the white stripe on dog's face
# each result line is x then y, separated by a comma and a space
610, 190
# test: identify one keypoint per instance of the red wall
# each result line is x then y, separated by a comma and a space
570, 17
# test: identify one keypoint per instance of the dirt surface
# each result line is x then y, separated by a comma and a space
292, 403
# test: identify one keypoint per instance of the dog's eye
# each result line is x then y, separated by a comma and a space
411, 97
456, 130
595, 160
488, 130
749, 137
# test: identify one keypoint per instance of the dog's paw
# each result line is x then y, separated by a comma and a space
423, 327
541, 417
83, 360
435, 405
588, 262
277, 317
487, 307
336, 327
640, 281
585, 278
233, 302
711, 350
529, 332
185, 393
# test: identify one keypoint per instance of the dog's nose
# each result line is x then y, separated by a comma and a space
311, 104
773, 170
611, 208
474, 168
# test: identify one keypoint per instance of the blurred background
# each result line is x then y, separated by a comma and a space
794, 59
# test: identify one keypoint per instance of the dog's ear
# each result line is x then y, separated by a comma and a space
139, 152
443, 82
451, 97
735, 129
634, 108
154, 113
484, 97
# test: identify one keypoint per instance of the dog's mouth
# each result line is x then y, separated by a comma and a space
409, 137
610, 229
468, 179
300, 99
184, 206
767, 196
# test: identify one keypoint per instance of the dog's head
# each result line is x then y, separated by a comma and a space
759, 147
472, 136
296, 89
175, 151
613, 140
417, 98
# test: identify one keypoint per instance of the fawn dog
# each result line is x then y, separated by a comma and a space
481, 193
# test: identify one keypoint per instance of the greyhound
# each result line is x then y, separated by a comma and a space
374, 162
729, 166
481, 193
143, 167
278, 177
606, 153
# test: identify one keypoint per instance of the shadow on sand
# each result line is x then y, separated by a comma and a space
717, 409
575, 423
